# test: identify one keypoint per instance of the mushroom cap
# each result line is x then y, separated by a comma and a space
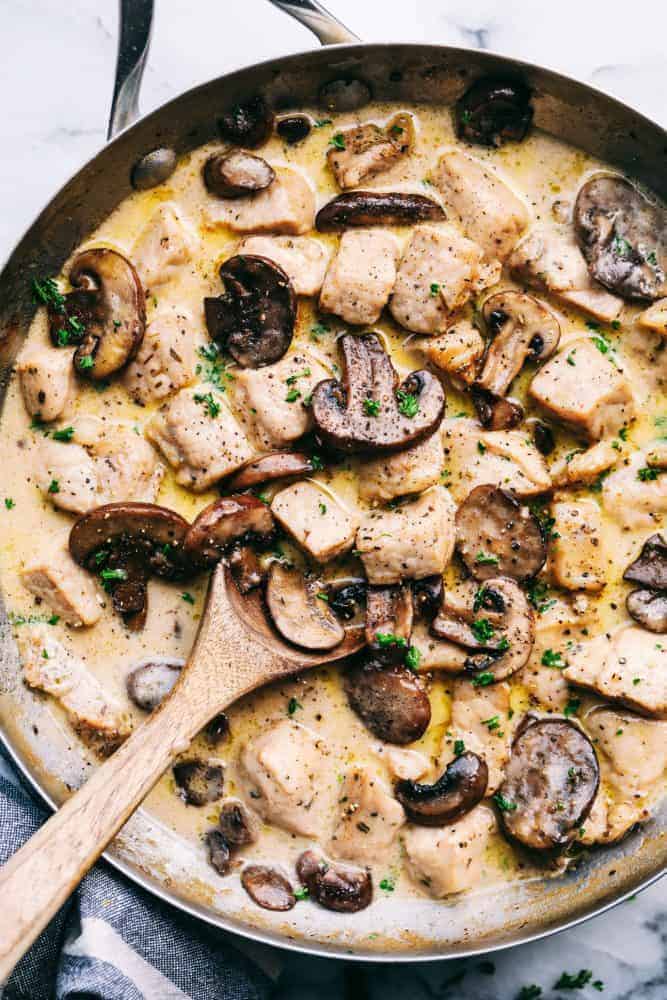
236, 174
377, 208
403, 416
388, 612
155, 534
199, 782
249, 123
494, 111
237, 824
293, 128
219, 854
224, 522
496, 413
650, 567
428, 595
337, 887
458, 790
492, 522
649, 609
522, 328
277, 465
298, 613
254, 318
150, 683
623, 237
390, 700
268, 888
116, 316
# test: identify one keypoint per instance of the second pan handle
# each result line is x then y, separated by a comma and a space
328, 29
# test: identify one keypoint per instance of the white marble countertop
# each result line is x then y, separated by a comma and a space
55, 85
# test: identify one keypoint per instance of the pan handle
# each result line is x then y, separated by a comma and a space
314, 16
134, 36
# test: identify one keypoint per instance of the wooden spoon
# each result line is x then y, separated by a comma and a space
236, 651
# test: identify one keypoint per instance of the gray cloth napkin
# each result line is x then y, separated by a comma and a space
113, 941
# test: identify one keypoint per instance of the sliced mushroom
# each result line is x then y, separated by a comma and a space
377, 208
497, 413
649, 609
390, 700
235, 174
347, 597
428, 596
497, 627
456, 792
337, 887
300, 615
237, 825
367, 412
105, 314
497, 536
150, 683
217, 731
248, 124
522, 328
254, 318
293, 128
268, 888
388, 616
199, 782
550, 782
219, 854
493, 112
224, 522
623, 237
246, 568
650, 568
265, 469
543, 436
344, 95
153, 168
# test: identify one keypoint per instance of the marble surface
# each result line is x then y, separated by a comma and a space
55, 85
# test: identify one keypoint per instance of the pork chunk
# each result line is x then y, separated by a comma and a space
53, 577
578, 558
655, 317
437, 654
201, 443
458, 351
47, 666
288, 770
317, 522
632, 500
276, 394
165, 247
409, 471
584, 466
559, 621
360, 153
487, 209
480, 717
368, 818
450, 859
360, 278
303, 259
591, 395
629, 667
286, 206
438, 274
402, 763
47, 378
166, 360
413, 541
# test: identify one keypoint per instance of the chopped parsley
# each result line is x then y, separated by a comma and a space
292, 705
481, 447
479, 599
483, 679
112, 575
47, 293
371, 407
492, 723
621, 247
647, 475
408, 403
316, 463
301, 893
187, 597
387, 885
292, 396
338, 141
291, 379
570, 358
459, 747
412, 658
482, 629
214, 368
572, 707
385, 639
505, 805
86, 362
322, 507
321, 122
537, 593
484, 559
623, 433
532, 992
317, 330
54, 486
553, 658
602, 344
397, 130
209, 402
64, 434
574, 981
9, 503
15, 619
435, 289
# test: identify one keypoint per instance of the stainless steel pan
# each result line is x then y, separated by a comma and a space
146, 852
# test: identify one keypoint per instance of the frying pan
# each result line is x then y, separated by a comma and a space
145, 851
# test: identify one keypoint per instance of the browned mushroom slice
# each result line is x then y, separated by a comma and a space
219, 854
105, 314
199, 782
246, 568
150, 683
550, 782
493, 112
217, 731
300, 615
456, 792
543, 436
235, 174
388, 617
337, 887
623, 237
254, 318
650, 568
293, 128
496, 413
376, 208
522, 329
238, 826
248, 124
428, 595
346, 597
367, 412
265, 469
224, 522
268, 888
497, 536
649, 609
390, 700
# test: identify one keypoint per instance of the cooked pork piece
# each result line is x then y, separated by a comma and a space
557, 622
360, 278
362, 152
166, 360
287, 206
655, 317
164, 247
200, 438
317, 522
633, 497
405, 764
629, 667
486, 208
578, 558
369, 818
410, 542
303, 259
96, 717
587, 392
440, 271
457, 351
480, 719
584, 466
404, 472
288, 769
276, 396
47, 378
53, 577
437, 654
449, 859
